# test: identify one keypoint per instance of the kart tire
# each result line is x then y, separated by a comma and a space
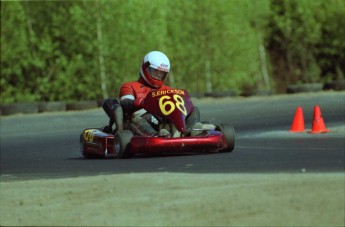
123, 144
229, 134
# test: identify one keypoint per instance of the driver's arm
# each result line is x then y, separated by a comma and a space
128, 101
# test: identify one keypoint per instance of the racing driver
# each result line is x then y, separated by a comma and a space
154, 71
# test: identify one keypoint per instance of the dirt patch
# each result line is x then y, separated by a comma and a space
173, 199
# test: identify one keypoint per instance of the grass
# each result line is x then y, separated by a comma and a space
176, 199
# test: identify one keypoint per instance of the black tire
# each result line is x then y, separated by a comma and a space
123, 144
81, 105
229, 135
17, 108
337, 85
51, 106
308, 87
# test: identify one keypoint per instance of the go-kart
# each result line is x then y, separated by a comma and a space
171, 107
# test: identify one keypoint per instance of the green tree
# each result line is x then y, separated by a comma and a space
292, 38
15, 53
330, 48
77, 50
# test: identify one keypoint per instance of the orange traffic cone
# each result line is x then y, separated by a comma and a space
318, 123
298, 121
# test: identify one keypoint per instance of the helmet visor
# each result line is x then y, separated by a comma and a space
157, 74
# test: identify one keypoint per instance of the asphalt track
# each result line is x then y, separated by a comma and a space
47, 145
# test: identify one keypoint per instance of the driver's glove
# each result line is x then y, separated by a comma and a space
154, 120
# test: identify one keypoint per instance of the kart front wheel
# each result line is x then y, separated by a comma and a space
123, 144
229, 134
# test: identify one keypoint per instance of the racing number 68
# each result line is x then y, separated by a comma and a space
179, 103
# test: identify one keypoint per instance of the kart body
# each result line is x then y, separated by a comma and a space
171, 107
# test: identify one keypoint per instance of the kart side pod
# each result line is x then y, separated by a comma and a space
94, 143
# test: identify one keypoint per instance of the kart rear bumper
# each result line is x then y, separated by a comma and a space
94, 142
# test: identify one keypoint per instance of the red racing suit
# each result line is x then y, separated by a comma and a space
132, 97
136, 91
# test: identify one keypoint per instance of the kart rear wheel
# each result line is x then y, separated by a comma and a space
229, 134
123, 144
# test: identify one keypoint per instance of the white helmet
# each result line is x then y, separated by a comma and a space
155, 68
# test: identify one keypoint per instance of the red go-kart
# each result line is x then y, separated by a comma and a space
172, 107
